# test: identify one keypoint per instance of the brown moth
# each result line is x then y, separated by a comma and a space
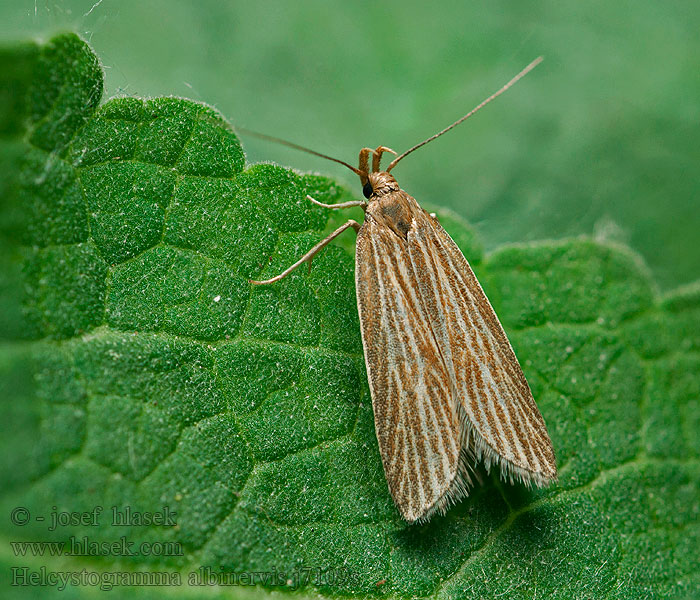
447, 389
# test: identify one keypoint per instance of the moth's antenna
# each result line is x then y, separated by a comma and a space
520, 75
270, 138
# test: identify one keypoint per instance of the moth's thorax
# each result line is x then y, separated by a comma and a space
382, 183
394, 209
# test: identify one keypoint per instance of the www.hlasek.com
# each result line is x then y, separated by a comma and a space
86, 547
204, 576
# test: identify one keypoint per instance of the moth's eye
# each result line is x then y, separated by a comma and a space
367, 189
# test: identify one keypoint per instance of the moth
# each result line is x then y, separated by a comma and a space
447, 390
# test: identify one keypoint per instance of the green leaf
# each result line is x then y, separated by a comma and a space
140, 369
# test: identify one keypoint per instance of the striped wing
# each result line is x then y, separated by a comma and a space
500, 420
416, 421
447, 389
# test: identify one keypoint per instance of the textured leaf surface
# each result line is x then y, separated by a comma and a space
139, 368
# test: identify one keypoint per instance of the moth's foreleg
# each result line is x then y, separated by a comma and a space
341, 205
311, 253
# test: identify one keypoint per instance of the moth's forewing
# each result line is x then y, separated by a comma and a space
499, 415
416, 421
446, 387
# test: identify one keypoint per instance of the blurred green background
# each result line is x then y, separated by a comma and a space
603, 138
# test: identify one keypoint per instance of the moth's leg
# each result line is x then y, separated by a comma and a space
377, 158
341, 205
311, 253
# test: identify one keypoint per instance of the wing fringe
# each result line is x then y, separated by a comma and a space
475, 451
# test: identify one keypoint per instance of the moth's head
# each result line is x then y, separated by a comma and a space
379, 184
375, 182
